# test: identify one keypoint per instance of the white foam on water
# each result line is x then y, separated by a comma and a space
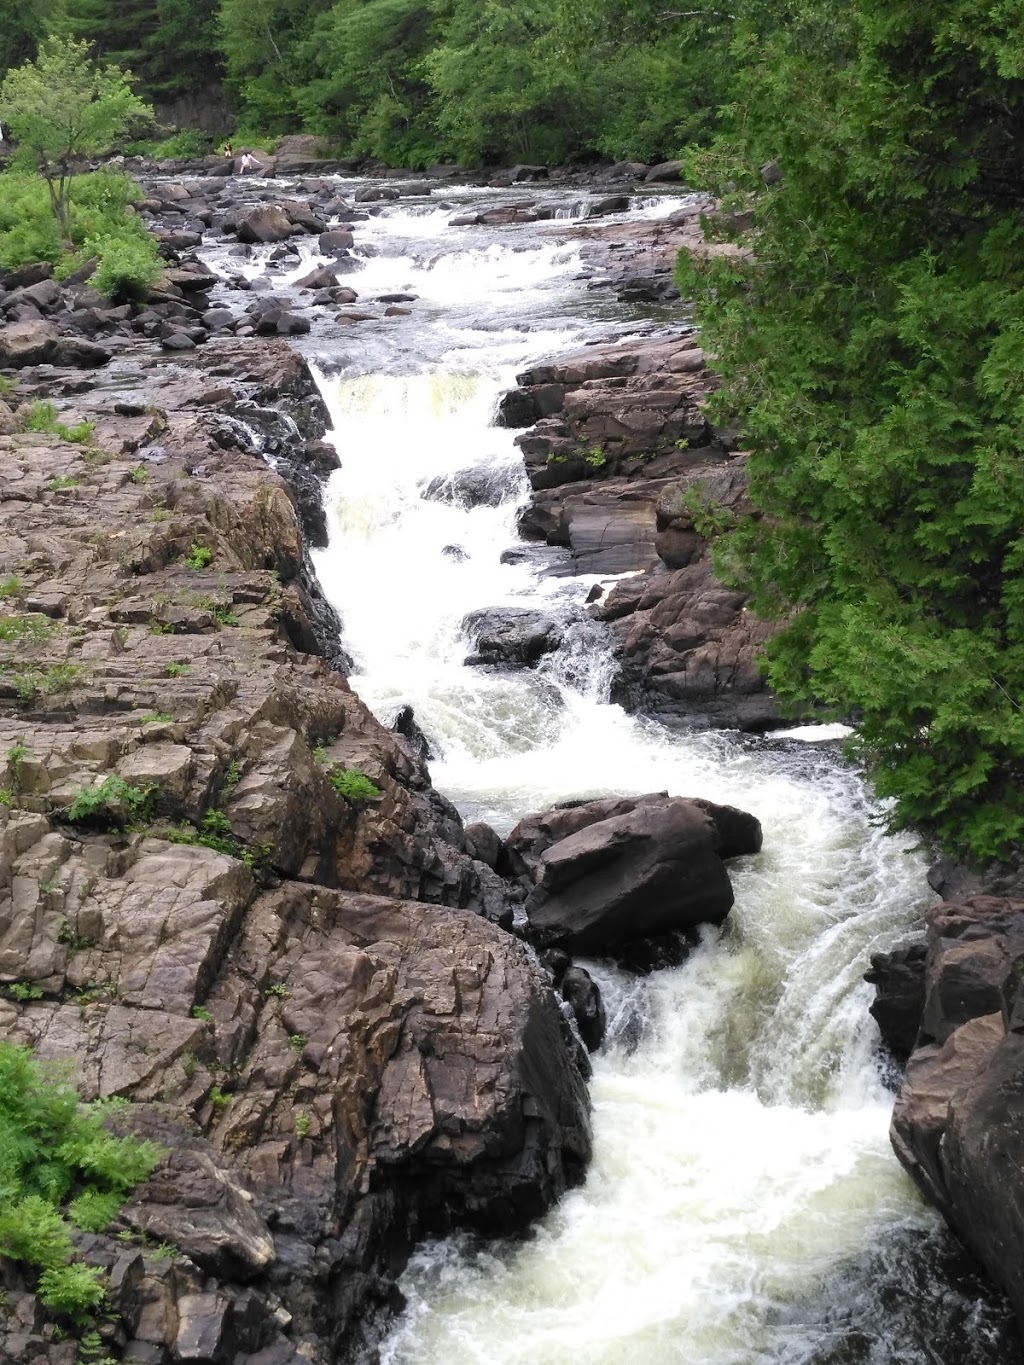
740, 1125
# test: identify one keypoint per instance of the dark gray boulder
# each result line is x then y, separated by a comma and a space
484, 486
898, 979
511, 635
608, 873
583, 996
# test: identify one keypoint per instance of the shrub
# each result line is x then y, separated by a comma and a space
183, 145
128, 265
113, 802
71, 1289
198, 556
58, 1159
353, 785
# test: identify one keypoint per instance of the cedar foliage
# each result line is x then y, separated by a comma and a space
872, 352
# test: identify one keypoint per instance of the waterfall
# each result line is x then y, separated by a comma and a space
742, 1175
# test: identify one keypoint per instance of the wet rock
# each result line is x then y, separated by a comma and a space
264, 223
375, 194
484, 486
582, 994
899, 981
321, 278
556, 963
612, 203
77, 353
518, 174
219, 319
336, 242
959, 1116
406, 725
178, 341
483, 843
608, 872
511, 635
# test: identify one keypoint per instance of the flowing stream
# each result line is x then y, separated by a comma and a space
743, 1205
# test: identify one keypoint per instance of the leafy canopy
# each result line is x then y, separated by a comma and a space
63, 107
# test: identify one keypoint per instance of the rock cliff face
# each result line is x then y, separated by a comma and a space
302, 991
630, 478
959, 1115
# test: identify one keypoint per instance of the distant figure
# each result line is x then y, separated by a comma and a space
228, 150
249, 163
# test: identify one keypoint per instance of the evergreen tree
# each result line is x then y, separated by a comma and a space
871, 349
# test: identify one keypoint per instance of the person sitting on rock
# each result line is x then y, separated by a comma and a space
249, 163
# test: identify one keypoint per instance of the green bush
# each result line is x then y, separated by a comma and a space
128, 265
111, 803
71, 1289
103, 229
183, 145
353, 785
57, 1160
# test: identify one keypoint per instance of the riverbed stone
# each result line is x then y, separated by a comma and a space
605, 873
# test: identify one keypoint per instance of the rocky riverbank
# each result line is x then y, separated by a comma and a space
630, 477
227, 892
950, 1005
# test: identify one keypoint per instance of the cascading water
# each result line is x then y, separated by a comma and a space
743, 1204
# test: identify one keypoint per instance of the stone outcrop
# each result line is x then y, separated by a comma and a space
629, 477
899, 981
959, 1117
511, 635
606, 873
306, 995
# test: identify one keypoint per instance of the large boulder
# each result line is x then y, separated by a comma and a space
606, 873
516, 636
26, 343
666, 172
264, 223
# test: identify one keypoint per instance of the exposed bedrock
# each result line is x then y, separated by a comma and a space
958, 1125
630, 478
604, 875
299, 981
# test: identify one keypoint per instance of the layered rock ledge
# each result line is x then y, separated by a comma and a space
629, 476
303, 992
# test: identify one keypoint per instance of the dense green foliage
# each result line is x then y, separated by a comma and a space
59, 1167
62, 107
102, 228
170, 46
872, 352
412, 82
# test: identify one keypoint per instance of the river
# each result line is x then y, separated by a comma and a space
744, 1205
